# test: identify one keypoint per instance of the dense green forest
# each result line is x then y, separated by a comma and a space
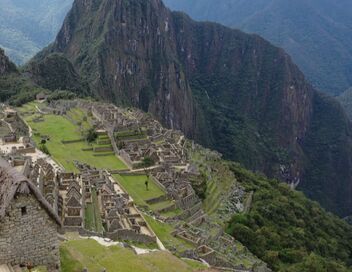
288, 231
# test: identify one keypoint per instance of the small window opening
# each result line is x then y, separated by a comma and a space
24, 210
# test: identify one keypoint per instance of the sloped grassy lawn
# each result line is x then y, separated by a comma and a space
163, 231
77, 254
135, 186
59, 128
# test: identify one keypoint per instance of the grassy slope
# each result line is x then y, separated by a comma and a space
135, 186
163, 231
88, 253
60, 128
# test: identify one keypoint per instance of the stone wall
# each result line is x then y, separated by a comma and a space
29, 235
131, 235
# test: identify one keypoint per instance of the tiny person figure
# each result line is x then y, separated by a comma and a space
146, 185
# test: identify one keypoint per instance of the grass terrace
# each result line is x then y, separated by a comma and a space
59, 128
79, 117
130, 135
77, 254
135, 186
92, 217
163, 231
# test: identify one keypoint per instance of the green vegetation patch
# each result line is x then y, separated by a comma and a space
92, 218
135, 186
163, 231
58, 128
88, 253
288, 231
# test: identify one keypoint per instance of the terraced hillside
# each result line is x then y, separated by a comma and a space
65, 138
78, 254
260, 216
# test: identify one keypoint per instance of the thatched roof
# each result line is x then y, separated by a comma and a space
12, 183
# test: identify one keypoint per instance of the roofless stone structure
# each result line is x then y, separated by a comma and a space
28, 224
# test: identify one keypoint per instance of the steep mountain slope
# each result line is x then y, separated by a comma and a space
288, 231
6, 66
228, 90
316, 33
15, 88
27, 26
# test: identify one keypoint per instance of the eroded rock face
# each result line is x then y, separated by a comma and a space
131, 57
230, 91
5, 65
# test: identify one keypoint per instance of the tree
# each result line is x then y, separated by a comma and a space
147, 162
44, 149
92, 135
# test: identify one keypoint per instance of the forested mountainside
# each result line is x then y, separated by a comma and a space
316, 33
6, 66
230, 91
28, 26
16, 88
289, 232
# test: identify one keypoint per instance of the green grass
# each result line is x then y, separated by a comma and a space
218, 185
60, 128
163, 231
135, 186
92, 219
142, 245
172, 213
161, 205
195, 264
88, 253
89, 217
78, 115
29, 107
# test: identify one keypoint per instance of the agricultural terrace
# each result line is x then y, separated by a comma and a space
135, 186
163, 231
59, 129
87, 253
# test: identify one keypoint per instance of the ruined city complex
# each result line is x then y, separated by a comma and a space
65, 201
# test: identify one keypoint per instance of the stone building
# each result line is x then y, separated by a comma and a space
28, 224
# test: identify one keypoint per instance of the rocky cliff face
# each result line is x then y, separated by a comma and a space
228, 90
131, 56
6, 66
316, 33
